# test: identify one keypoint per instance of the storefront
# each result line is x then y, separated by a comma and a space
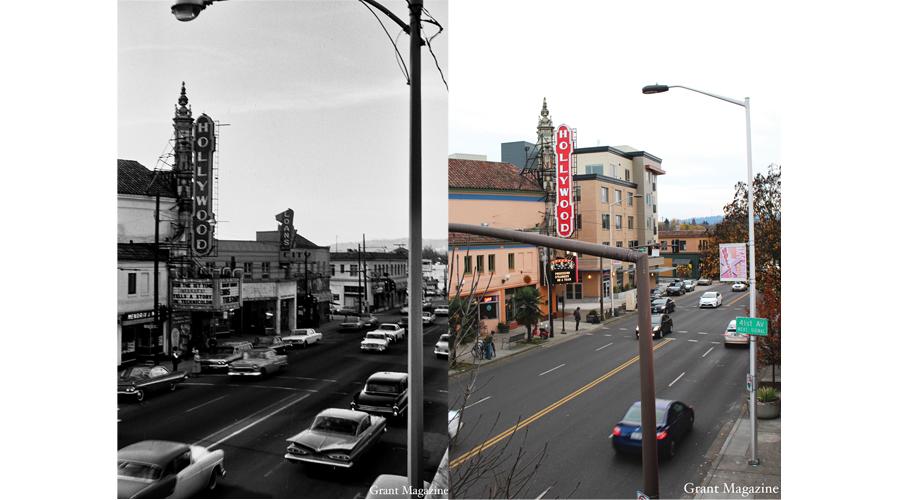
140, 338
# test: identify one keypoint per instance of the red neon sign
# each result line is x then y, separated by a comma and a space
565, 210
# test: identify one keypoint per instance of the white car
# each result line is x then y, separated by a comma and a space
427, 318
740, 286
404, 309
166, 469
731, 336
302, 337
711, 299
374, 341
442, 348
393, 331
453, 423
441, 311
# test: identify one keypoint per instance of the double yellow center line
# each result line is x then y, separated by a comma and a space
530, 420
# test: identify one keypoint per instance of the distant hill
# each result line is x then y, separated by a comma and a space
711, 219
382, 245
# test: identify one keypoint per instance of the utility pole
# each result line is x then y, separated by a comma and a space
358, 281
156, 323
365, 271
306, 299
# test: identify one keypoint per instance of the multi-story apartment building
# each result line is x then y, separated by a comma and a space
684, 247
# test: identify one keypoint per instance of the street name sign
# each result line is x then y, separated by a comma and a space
753, 326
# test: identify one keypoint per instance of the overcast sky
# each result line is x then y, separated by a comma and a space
591, 59
317, 107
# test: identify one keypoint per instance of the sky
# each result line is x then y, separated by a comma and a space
591, 59
316, 105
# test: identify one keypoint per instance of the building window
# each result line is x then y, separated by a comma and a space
594, 169
354, 269
491, 263
618, 196
577, 193
578, 221
618, 222
511, 261
479, 263
682, 244
604, 195
605, 221
612, 171
664, 245
342, 269
467, 264
606, 243
630, 199
618, 244
627, 174
332, 269
630, 222
145, 284
132, 283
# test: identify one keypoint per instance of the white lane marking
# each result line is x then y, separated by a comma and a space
702, 333
607, 345
479, 401
693, 340
539, 497
682, 331
604, 327
550, 370
204, 404
607, 335
623, 329
676, 379
308, 378
442, 391
272, 387
273, 468
712, 342
707, 352
251, 424
196, 383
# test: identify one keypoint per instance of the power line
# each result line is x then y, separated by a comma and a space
396, 50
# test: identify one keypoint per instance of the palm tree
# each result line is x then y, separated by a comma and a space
528, 310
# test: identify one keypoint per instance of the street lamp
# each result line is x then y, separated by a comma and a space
656, 89
187, 10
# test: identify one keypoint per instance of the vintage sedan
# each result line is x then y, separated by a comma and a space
674, 420
166, 469
427, 318
375, 341
442, 348
442, 311
384, 393
258, 363
137, 381
337, 437
393, 331
271, 342
351, 325
302, 337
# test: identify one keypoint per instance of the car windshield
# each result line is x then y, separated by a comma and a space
334, 424
256, 354
656, 319
223, 351
136, 371
659, 302
389, 327
374, 335
383, 387
634, 415
709, 295
265, 341
732, 327
139, 470
444, 338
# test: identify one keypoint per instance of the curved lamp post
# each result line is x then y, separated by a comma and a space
656, 89
187, 10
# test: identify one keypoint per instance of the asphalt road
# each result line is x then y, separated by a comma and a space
250, 420
567, 398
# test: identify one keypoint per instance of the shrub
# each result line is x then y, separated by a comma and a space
766, 394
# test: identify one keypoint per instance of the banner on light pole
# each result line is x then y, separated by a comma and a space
732, 262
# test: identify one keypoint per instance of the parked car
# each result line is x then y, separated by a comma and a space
442, 348
704, 281
166, 469
370, 321
375, 341
220, 356
337, 437
675, 288
689, 285
732, 337
351, 325
656, 293
393, 331
441, 311
739, 286
404, 309
271, 342
710, 299
302, 337
384, 393
674, 420
661, 324
662, 305
258, 363
592, 316
137, 381
427, 318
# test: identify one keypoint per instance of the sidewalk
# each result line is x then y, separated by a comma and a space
730, 476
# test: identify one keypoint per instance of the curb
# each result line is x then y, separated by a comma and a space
714, 466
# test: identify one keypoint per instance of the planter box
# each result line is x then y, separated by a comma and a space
768, 410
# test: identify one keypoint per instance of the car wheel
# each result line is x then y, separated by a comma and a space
139, 395
214, 479
303, 345
172, 386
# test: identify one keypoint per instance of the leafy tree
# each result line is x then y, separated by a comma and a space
528, 310
666, 224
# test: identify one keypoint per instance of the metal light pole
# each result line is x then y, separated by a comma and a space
612, 271
655, 89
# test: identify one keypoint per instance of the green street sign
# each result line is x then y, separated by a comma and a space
753, 326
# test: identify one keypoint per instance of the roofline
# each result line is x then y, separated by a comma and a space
603, 178
623, 154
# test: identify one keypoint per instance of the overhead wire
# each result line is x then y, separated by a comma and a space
396, 50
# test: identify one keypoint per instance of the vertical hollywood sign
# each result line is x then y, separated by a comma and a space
204, 146
565, 211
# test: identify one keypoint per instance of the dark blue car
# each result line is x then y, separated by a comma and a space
674, 420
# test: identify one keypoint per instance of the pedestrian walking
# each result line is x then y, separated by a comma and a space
176, 358
577, 316
489, 346
195, 370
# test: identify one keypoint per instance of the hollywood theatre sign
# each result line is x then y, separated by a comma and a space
204, 146
565, 211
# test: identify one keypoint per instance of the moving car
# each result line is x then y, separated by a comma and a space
656, 293
675, 288
370, 321
137, 381
689, 285
661, 323
351, 325
337, 437
258, 363
166, 469
662, 305
271, 342
704, 281
375, 341
220, 356
442, 348
441, 311
674, 420
732, 337
384, 392
710, 299
302, 337
393, 332
739, 286
427, 318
